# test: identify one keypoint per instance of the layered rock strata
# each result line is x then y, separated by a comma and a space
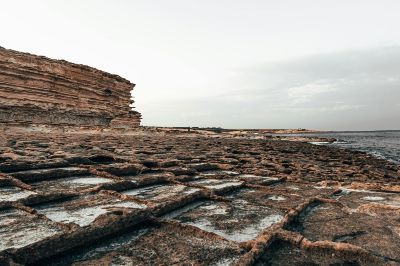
36, 90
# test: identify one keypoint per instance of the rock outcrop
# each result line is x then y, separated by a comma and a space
36, 90
167, 198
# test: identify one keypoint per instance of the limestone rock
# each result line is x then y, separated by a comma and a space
36, 90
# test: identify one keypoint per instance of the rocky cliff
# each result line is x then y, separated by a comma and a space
36, 90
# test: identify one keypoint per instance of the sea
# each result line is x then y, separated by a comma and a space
381, 144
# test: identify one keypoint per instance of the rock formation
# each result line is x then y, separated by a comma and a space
174, 196
36, 90
168, 198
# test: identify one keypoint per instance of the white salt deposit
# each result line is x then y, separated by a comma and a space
224, 185
226, 262
160, 192
277, 198
86, 215
230, 172
25, 235
246, 234
373, 198
16, 232
319, 142
209, 174
140, 191
88, 180
214, 209
217, 183
14, 193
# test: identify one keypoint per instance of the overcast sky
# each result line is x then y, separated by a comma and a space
332, 65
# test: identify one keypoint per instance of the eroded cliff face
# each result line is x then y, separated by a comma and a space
36, 90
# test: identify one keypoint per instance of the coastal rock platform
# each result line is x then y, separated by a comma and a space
160, 198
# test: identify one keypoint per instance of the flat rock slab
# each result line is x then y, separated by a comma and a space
219, 173
69, 184
359, 198
161, 245
274, 199
161, 193
50, 173
84, 210
236, 221
378, 234
19, 229
304, 190
281, 253
217, 184
148, 178
256, 179
11, 193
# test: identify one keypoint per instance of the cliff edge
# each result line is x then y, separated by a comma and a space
36, 90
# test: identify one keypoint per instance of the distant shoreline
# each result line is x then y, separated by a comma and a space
268, 131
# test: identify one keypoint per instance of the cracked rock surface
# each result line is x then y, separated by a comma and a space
161, 198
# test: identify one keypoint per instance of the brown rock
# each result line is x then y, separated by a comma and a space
37, 90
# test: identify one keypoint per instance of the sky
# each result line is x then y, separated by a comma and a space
327, 65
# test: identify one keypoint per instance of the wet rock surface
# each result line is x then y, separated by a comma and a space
154, 198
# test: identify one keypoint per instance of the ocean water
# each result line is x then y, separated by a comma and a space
382, 144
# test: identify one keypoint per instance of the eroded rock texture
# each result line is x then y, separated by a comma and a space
36, 90
159, 198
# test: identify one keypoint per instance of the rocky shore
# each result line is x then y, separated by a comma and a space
272, 134
153, 197
82, 184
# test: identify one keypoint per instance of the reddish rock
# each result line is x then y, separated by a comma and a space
36, 90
